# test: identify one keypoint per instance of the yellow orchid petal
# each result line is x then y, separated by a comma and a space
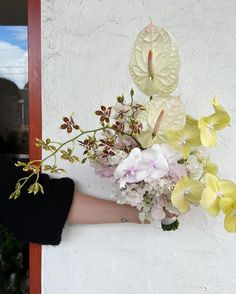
227, 188
208, 198
191, 121
211, 181
230, 223
215, 208
219, 120
185, 192
226, 205
216, 105
185, 150
179, 201
210, 167
192, 135
177, 196
223, 115
172, 137
185, 207
207, 133
183, 140
195, 190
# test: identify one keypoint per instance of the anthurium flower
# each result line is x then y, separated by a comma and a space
155, 61
215, 190
209, 125
173, 109
183, 140
147, 140
132, 169
186, 191
160, 114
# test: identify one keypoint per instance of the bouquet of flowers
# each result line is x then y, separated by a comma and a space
154, 153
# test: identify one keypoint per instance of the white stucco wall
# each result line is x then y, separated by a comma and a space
86, 49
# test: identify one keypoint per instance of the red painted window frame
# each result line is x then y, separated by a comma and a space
35, 119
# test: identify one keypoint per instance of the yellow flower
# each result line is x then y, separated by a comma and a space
183, 140
228, 206
210, 167
214, 191
230, 222
191, 121
209, 125
185, 192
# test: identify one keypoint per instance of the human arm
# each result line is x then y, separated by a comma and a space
41, 218
90, 210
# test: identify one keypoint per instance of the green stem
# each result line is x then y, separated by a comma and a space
84, 133
26, 180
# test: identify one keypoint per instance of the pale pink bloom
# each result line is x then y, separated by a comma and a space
120, 108
133, 195
132, 169
103, 170
170, 154
117, 158
158, 164
157, 213
194, 166
177, 171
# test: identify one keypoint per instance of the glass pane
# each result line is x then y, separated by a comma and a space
13, 141
14, 91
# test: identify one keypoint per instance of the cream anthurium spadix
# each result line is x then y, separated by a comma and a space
155, 61
160, 114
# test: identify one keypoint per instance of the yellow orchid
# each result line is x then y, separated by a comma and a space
209, 125
191, 121
215, 191
230, 222
186, 191
228, 206
183, 140
210, 167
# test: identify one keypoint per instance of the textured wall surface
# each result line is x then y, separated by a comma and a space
86, 49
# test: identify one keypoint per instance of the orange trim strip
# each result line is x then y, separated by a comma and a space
35, 119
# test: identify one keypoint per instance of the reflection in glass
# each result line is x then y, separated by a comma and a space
14, 142
14, 91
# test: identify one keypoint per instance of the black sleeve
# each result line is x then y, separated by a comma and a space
36, 218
